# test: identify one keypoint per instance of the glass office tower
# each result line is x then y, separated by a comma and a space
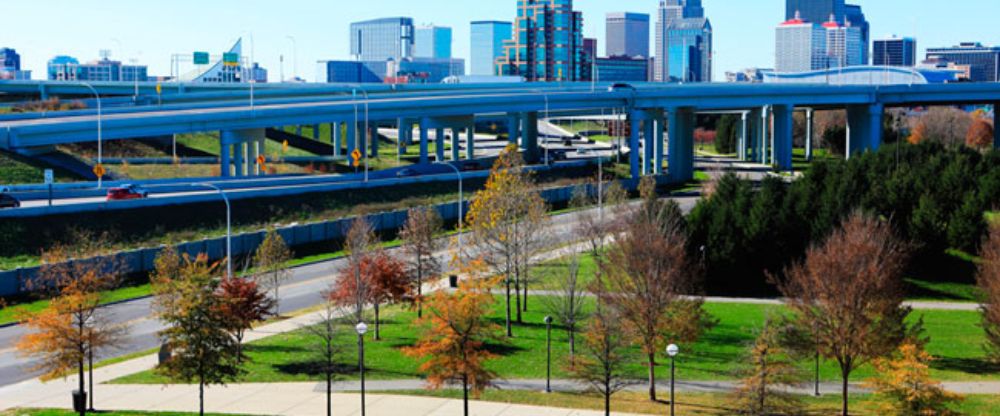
627, 34
487, 45
547, 43
382, 39
433, 42
894, 52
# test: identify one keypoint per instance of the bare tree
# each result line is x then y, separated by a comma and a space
419, 235
605, 353
325, 334
271, 261
848, 293
359, 244
647, 272
947, 125
567, 304
989, 283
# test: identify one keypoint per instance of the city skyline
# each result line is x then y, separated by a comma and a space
323, 33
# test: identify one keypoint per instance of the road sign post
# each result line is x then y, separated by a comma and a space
49, 178
99, 171
356, 155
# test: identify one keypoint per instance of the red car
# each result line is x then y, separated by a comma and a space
126, 192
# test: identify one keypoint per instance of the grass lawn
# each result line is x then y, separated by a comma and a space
16, 169
62, 412
10, 314
209, 143
687, 403
956, 340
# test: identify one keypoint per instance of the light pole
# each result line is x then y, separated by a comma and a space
361, 328
365, 138
229, 228
548, 354
672, 351
458, 173
100, 150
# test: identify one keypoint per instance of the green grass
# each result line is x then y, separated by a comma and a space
209, 143
943, 291
955, 338
63, 412
11, 314
16, 169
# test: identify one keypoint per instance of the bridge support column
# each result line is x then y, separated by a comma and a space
635, 126
681, 164
373, 138
513, 128
239, 155
864, 128
298, 130
648, 143
470, 142
225, 167
352, 138
315, 131
253, 167
753, 135
240, 147
335, 138
765, 135
783, 136
659, 142
741, 147
809, 134
529, 139
456, 150
439, 145
424, 141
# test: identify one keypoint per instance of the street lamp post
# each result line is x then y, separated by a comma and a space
229, 227
672, 351
548, 354
461, 200
361, 328
366, 132
100, 149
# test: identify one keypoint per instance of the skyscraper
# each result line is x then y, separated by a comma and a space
627, 35
894, 52
691, 45
547, 43
843, 45
983, 61
10, 60
487, 45
800, 46
382, 39
817, 11
433, 42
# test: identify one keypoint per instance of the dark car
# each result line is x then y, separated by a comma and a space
126, 192
620, 86
8, 201
468, 166
406, 173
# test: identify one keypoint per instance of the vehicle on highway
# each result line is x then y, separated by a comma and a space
584, 152
620, 86
126, 192
8, 201
406, 173
468, 166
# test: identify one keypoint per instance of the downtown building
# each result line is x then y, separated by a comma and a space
547, 43
68, 68
486, 46
10, 65
683, 43
627, 34
802, 45
392, 50
433, 42
832, 10
980, 63
894, 51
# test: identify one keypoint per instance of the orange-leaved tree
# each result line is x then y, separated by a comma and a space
905, 383
506, 220
383, 278
72, 328
454, 340
980, 134
242, 304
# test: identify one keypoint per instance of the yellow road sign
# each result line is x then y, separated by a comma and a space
159, 88
356, 155
99, 170
284, 146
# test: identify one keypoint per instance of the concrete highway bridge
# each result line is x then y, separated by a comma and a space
660, 117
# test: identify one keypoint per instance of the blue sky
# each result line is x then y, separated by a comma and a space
152, 30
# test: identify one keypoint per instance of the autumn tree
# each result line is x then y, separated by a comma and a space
764, 384
242, 304
188, 304
507, 221
604, 352
980, 135
359, 243
946, 125
647, 272
419, 234
566, 306
324, 335
271, 261
848, 294
988, 280
68, 332
383, 280
904, 381
454, 340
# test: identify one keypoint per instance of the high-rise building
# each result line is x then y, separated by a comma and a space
547, 43
894, 51
621, 69
487, 45
627, 34
822, 10
67, 68
983, 61
843, 45
10, 60
433, 42
382, 39
800, 46
683, 42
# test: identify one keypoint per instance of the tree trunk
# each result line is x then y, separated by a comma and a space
420, 288
510, 331
329, 389
651, 361
201, 396
844, 376
517, 295
239, 347
377, 323
526, 292
607, 397
277, 300
465, 394
83, 409
572, 347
